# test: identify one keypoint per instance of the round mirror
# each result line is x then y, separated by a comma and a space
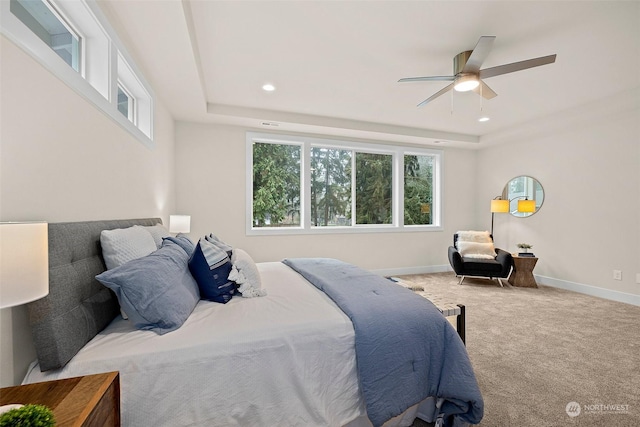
525, 195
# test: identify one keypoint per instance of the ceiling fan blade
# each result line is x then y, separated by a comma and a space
479, 54
437, 94
486, 92
516, 66
427, 79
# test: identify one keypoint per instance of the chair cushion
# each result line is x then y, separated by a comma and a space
481, 266
476, 250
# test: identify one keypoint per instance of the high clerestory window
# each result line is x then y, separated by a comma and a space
75, 42
309, 185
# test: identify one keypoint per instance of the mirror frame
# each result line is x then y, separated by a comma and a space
531, 189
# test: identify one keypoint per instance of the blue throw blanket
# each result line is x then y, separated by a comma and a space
406, 350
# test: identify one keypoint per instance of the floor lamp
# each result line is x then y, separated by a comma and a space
498, 205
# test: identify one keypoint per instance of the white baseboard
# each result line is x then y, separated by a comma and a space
413, 270
589, 290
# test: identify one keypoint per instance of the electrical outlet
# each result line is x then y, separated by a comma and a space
617, 274
638, 278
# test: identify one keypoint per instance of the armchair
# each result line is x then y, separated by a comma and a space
464, 265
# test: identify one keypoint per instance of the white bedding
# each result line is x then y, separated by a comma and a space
286, 359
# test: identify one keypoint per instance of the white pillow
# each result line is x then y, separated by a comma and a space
474, 236
158, 232
476, 250
125, 244
245, 273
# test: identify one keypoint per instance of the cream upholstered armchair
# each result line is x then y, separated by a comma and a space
473, 254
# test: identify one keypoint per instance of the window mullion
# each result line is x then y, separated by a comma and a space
398, 189
305, 189
353, 188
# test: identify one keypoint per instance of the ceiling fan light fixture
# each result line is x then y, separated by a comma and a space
466, 82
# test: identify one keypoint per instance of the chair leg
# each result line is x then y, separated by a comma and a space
461, 279
500, 281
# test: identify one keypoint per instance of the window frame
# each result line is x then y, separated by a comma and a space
101, 53
306, 142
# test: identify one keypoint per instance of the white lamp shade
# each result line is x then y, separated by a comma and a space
179, 223
24, 262
499, 205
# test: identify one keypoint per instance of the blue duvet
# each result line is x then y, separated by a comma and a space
406, 350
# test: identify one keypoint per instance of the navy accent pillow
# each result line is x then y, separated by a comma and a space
184, 242
157, 291
210, 266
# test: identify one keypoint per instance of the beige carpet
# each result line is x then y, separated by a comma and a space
535, 351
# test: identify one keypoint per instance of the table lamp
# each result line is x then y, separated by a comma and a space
179, 223
24, 262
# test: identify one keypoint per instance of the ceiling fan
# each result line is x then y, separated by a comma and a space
467, 74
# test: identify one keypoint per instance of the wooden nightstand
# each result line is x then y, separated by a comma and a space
522, 274
92, 400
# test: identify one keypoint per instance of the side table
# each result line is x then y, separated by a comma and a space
522, 274
91, 400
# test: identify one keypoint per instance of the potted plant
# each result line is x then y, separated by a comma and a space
524, 247
28, 416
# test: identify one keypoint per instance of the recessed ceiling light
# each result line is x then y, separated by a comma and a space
484, 119
268, 87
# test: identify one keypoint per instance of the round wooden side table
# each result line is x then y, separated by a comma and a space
522, 274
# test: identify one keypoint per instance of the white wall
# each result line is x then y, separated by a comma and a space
587, 159
61, 159
210, 186
588, 162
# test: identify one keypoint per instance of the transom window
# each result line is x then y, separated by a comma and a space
46, 23
74, 40
301, 185
126, 103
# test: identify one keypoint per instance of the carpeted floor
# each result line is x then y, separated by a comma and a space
537, 352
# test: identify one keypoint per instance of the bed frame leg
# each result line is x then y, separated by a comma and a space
461, 323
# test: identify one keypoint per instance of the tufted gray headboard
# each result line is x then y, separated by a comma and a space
78, 306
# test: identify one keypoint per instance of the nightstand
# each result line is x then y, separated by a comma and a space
522, 274
92, 400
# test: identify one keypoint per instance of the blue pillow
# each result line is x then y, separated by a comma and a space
183, 241
157, 291
210, 266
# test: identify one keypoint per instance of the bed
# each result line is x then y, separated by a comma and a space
295, 357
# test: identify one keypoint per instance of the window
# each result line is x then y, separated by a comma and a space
330, 187
302, 185
418, 189
74, 41
374, 193
276, 185
125, 103
46, 23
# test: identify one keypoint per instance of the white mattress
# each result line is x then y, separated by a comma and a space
286, 359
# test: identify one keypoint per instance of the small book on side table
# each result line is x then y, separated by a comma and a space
529, 254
